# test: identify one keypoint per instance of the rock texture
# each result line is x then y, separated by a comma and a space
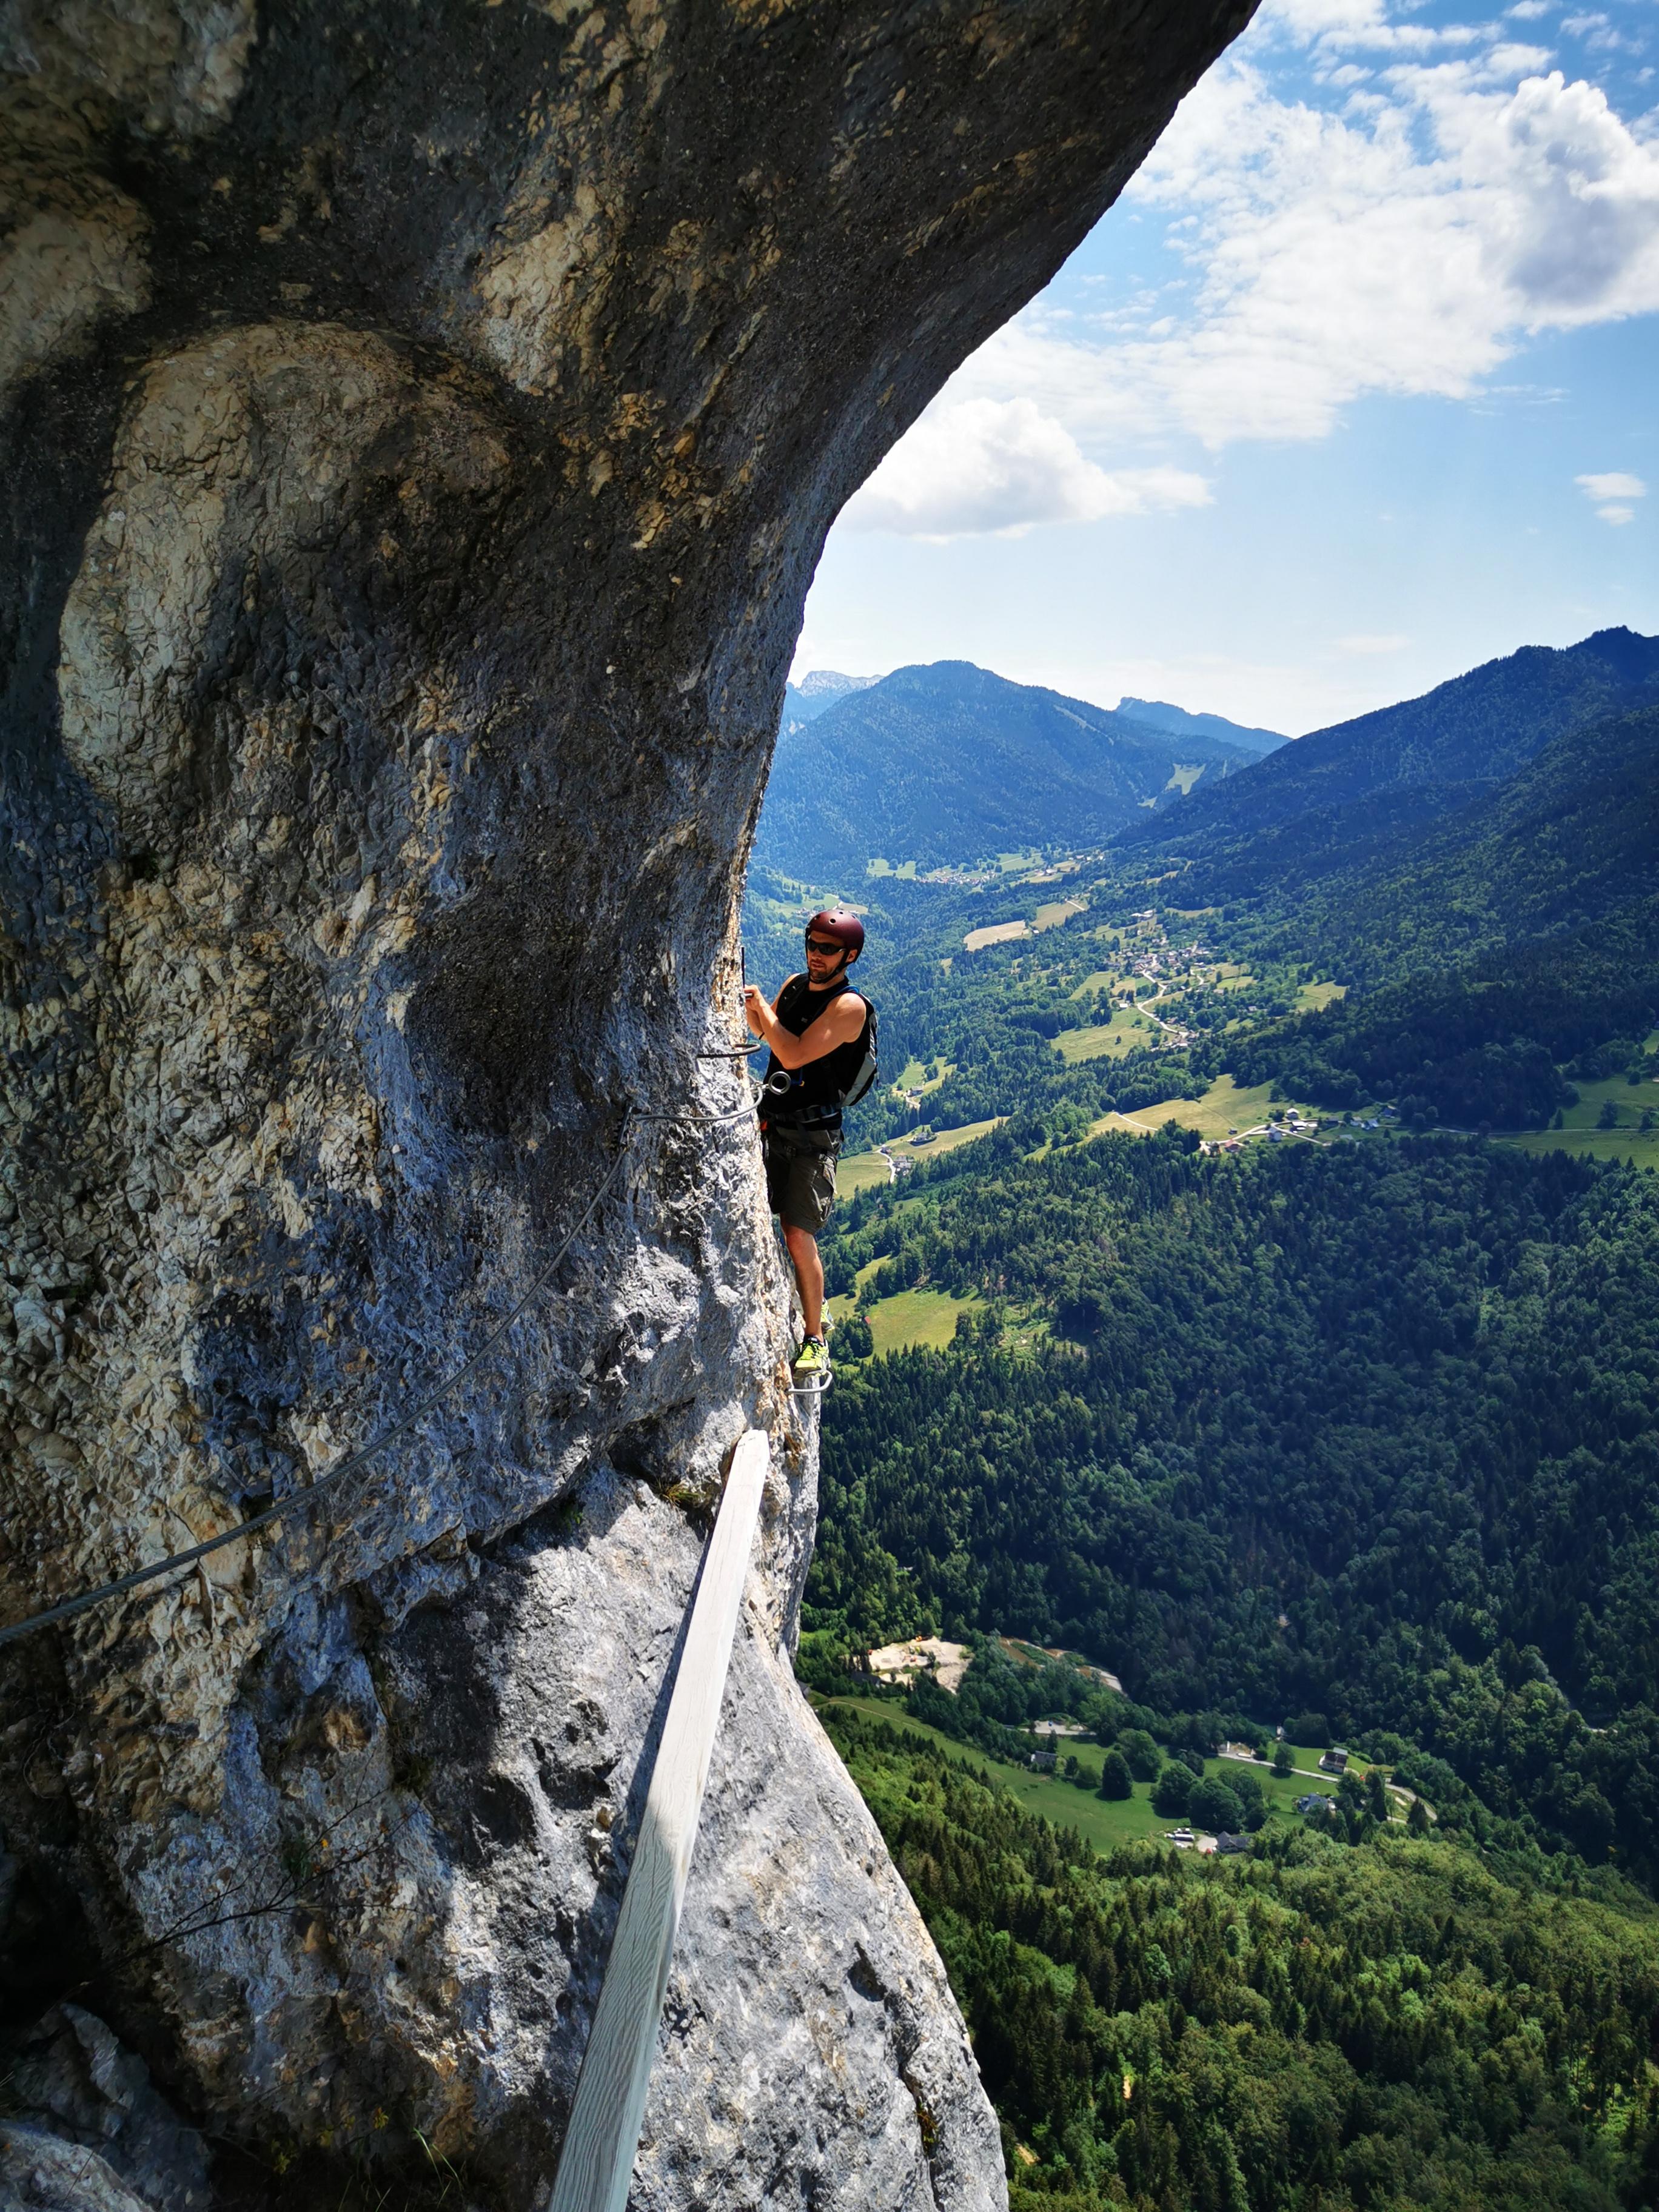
418, 425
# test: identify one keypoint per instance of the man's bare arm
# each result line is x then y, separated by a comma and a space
838, 1025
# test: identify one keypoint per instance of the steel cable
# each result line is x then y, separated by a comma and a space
70, 1606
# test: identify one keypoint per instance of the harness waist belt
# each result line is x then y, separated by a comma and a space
805, 1117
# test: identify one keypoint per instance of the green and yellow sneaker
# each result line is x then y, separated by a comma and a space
811, 1364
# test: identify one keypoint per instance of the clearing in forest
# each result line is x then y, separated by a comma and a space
863, 1171
1056, 911
1582, 1130
995, 932
917, 1318
1104, 1822
1224, 1106
1105, 1040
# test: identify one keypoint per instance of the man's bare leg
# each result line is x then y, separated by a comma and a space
809, 1276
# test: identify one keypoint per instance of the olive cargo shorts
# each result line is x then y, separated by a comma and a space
800, 1175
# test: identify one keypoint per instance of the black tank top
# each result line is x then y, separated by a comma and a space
816, 1092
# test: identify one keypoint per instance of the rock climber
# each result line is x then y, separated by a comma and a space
822, 1036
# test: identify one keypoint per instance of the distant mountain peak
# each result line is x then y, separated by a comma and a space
1337, 794
952, 764
831, 683
1634, 658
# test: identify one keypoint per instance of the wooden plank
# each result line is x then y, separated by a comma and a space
597, 2162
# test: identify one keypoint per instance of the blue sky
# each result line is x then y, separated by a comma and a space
1355, 388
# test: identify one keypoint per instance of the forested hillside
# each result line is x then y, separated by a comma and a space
1391, 2024
1370, 1432
1515, 936
952, 765
1340, 794
1567, 839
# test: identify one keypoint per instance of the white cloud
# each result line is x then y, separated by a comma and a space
1365, 643
1616, 515
1003, 466
1405, 239
1615, 483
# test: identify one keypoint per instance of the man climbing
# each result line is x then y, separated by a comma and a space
822, 1036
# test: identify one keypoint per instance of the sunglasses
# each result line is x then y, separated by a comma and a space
828, 947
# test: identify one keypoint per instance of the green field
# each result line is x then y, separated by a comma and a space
927, 1318
1578, 1133
1104, 1040
858, 1170
1223, 1107
945, 1140
1056, 911
914, 1076
1623, 1145
995, 932
1104, 1823
1098, 979
1311, 997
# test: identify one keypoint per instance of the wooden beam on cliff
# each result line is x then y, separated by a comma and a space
596, 2161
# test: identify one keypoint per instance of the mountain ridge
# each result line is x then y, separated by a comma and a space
948, 763
1159, 714
1340, 793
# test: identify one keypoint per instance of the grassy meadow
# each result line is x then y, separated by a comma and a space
1223, 1107
858, 1170
1104, 1822
1580, 1134
1105, 1040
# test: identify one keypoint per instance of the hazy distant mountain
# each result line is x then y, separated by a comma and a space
1158, 714
1335, 796
805, 701
951, 763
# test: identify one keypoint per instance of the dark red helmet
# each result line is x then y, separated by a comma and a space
843, 928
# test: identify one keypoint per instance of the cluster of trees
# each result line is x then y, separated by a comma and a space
1373, 1433
1395, 2027
1482, 1043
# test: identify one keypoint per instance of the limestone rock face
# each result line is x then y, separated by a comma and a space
418, 425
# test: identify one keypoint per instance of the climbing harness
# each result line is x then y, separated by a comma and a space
332, 1477
829, 1085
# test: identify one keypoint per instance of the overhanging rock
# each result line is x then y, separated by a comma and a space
419, 426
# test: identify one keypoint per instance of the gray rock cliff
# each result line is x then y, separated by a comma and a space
418, 427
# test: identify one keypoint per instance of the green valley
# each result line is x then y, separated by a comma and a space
1247, 1284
